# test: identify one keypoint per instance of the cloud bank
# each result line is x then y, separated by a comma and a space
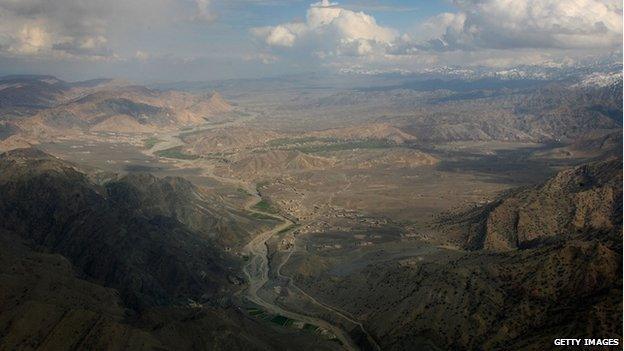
88, 29
151, 37
60, 27
504, 24
531, 30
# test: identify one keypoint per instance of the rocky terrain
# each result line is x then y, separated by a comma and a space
364, 132
520, 298
38, 106
275, 161
52, 205
585, 198
514, 300
434, 111
227, 140
391, 158
390, 212
590, 145
127, 263
22, 95
132, 109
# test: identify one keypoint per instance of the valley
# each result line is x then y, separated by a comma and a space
318, 175
351, 219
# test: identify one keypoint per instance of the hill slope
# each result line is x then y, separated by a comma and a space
517, 300
133, 109
128, 264
277, 161
107, 231
587, 197
565, 278
45, 104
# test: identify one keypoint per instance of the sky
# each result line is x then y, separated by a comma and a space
176, 40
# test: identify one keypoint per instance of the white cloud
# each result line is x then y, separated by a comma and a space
329, 30
548, 24
78, 29
283, 35
481, 32
30, 39
204, 11
60, 28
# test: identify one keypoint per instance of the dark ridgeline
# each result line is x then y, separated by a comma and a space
111, 266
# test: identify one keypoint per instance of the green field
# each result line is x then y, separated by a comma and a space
263, 216
264, 206
255, 311
297, 141
281, 320
310, 327
151, 141
320, 145
243, 191
347, 145
176, 152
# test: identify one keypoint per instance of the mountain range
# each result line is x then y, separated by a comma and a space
44, 105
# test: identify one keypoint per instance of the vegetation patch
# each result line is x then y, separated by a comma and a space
264, 206
336, 340
176, 152
287, 229
347, 145
257, 312
320, 145
151, 142
310, 327
263, 216
281, 320
243, 191
298, 141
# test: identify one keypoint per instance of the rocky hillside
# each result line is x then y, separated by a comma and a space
227, 140
517, 300
592, 145
203, 212
24, 94
49, 304
553, 266
432, 113
275, 162
550, 114
132, 109
115, 233
385, 158
377, 131
36, 106
588, 197
125, 264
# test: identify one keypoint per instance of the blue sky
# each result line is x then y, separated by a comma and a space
150, 40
